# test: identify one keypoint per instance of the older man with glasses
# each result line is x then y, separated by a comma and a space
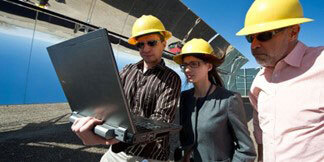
152, 89
288, 92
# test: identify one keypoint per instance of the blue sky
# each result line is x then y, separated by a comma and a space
227, 18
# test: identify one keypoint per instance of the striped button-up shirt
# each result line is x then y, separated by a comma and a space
289, 101
154, 94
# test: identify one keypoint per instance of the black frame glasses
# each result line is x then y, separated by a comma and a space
264, 36
151, 43
192, 64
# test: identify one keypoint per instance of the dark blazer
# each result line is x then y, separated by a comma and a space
222, 133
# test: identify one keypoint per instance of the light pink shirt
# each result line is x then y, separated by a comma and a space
289, 101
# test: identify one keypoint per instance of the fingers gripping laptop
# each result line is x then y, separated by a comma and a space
88, 74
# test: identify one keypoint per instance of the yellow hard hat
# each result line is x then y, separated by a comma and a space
265, 15
148, 24
198, 47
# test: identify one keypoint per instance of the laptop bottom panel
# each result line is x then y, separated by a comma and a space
147, 130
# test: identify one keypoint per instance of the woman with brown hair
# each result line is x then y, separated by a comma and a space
213, 118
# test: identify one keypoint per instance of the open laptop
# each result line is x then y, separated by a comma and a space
88, 74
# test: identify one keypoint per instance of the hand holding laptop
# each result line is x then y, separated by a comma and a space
83, 128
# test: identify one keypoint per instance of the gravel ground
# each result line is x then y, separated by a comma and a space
41, 133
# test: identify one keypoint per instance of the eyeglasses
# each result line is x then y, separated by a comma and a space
152, 43
262, 37
192, 64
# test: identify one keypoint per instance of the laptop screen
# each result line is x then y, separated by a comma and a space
88, 73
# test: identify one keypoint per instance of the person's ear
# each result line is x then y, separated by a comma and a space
294, 32
164, 44
210, 66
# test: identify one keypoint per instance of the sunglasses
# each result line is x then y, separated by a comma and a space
192, 64
140, 45
263, 37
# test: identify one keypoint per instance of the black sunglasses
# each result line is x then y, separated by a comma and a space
152, 43
262, 37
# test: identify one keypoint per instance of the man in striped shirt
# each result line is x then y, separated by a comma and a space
152, 90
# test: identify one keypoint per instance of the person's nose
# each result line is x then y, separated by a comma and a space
146, 48
187, 69
255, 43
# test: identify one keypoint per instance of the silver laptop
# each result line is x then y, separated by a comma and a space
88, 73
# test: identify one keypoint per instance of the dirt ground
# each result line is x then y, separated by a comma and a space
41, 133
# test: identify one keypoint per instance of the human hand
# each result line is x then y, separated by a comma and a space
83, 127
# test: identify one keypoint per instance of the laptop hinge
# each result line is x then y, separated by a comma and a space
107, 131
104, 131
121, 134
75, 115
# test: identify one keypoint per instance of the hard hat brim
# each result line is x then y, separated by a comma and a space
211, 57
258, 28
132, 40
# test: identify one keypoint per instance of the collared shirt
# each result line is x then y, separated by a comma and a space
289, 104
154, 94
